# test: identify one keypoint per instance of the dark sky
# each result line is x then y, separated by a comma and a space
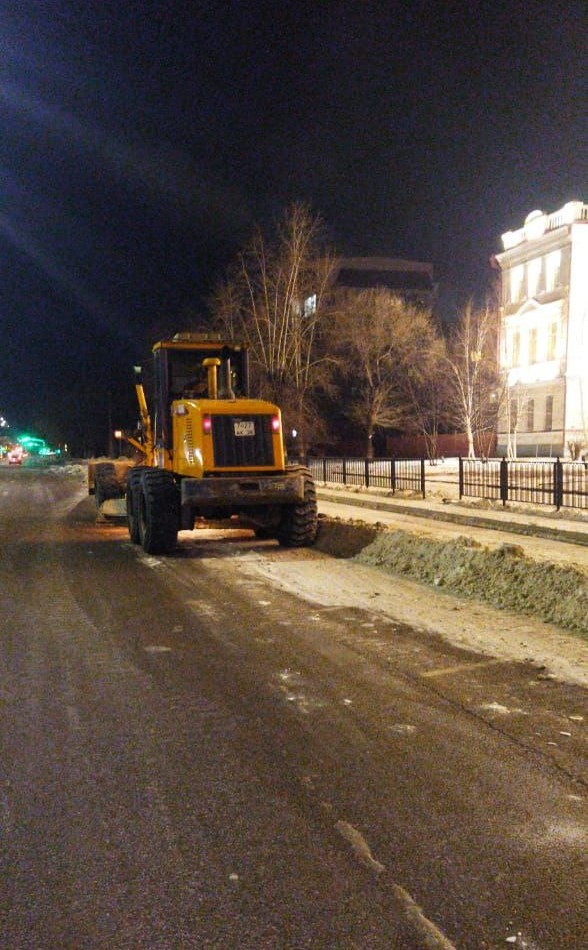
141, 142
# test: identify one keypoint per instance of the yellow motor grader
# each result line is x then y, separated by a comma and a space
207, 451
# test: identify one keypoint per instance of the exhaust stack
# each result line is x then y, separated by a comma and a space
212, 364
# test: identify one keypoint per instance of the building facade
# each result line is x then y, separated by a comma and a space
411, 280
543, 348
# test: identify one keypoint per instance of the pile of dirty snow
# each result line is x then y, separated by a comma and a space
504, 577
68, 469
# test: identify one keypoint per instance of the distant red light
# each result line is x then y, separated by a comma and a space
206, 424
275, 423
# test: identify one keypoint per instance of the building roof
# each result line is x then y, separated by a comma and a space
537, 224
391, 273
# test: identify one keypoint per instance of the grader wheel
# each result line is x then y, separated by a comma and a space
106, 483
299, 523
158, 511
133, 501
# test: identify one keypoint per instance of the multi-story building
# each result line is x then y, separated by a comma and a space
411, 280
544, 334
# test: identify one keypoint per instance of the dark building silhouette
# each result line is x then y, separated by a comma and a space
411, 280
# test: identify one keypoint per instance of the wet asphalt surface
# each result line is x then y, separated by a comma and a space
191, 758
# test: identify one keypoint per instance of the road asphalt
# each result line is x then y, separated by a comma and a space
194, 754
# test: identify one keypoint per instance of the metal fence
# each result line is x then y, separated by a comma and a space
393, 474
536, 482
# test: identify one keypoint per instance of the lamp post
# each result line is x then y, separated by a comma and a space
118, 435
110, 442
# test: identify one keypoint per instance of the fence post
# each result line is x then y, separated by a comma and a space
504, 481
344, 471
393, 476
557, 484
423, 475
367, 472
460, 478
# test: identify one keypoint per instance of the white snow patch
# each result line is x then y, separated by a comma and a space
204, 607
359, 846
567, 832
291, 686
287, 675
402, 728
500, 709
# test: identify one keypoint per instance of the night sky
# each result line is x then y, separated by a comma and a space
141, 142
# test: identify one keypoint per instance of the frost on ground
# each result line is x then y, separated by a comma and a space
503, 577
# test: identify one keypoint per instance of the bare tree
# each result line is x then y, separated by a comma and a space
515, 405
428, 394
381, 342
475, 384
274, 299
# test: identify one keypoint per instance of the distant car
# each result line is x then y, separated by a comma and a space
15, 457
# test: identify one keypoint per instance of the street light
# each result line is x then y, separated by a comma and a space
118, 435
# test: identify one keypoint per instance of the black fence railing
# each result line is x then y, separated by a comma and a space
535, 482
392, 474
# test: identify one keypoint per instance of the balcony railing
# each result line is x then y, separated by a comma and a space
573, 211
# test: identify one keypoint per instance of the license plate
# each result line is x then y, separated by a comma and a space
244, 427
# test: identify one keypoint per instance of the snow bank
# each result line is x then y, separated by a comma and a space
504, 577
71, 468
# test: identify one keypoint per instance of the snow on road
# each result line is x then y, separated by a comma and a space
497, 633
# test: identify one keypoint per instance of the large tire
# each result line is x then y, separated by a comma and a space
106, 483
133, 501
158, 511
299, 523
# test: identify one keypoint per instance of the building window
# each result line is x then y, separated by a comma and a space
553, 270
552, 341
530, 415
533, 276
516, 349
532, 346
310, 305
548, 413
517, 276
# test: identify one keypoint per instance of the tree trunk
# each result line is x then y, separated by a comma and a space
431, 443
471, 446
